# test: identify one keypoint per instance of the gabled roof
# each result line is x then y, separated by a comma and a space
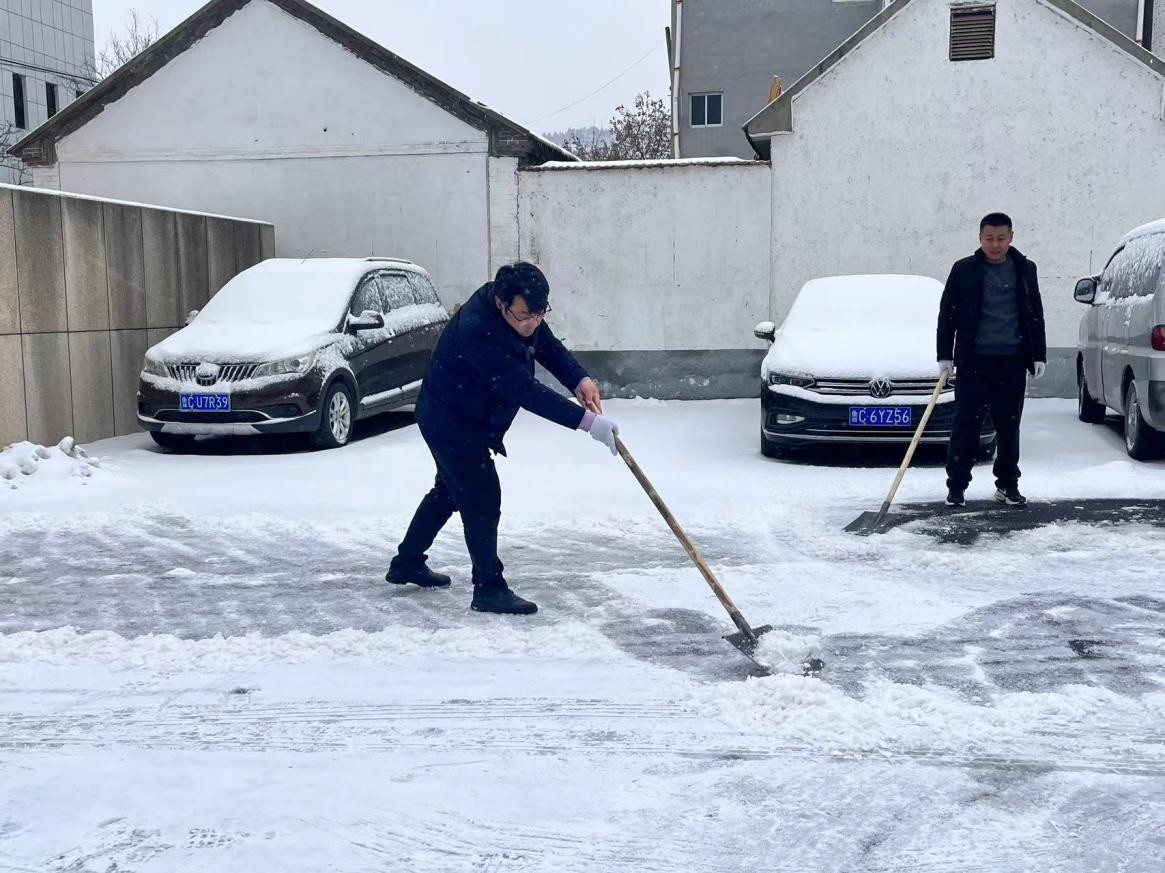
777, 117
506, 138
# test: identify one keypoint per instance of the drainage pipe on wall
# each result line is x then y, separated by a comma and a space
675, 78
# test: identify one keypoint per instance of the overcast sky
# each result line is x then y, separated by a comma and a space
524, 58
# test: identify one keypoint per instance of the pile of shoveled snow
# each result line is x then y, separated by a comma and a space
784, 652
66, 458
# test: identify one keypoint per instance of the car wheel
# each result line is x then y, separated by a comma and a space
173, 442
1141, 441
336, 418
1087, 409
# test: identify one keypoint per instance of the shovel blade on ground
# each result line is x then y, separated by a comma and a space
747, 646
873, 522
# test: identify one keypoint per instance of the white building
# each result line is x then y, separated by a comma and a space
885, 157
274, 108
46, 62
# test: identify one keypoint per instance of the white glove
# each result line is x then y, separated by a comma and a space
1040, 367
604, 429
946, 367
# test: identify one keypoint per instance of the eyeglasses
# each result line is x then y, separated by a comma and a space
530, 316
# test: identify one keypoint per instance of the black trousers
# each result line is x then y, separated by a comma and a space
987, 384
467, 482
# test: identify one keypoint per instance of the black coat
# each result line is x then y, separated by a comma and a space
962, 308
482, 372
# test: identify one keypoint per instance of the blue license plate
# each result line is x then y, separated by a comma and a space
880, 416
204, 402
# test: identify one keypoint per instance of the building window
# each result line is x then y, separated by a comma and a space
707, 110
972, 33
50, 97
18, 100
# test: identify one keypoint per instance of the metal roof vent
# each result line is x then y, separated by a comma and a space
972, 33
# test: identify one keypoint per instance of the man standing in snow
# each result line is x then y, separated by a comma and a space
991, 334
480, 374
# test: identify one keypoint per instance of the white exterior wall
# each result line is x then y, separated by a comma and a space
43, 41
896, 153
503, 211
265, 116
652, 258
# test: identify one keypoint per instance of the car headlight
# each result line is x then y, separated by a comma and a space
797, 380
288, 366
155, 367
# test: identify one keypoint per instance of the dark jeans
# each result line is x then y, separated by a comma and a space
467, 482
992, 384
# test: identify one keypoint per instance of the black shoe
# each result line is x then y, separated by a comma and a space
421, 576
956, 497
1010, 495
501, 600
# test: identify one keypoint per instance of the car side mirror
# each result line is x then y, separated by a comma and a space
366, 320
191, 315
766, 330
1085, 291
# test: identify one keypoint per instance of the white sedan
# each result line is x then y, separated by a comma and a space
854, 362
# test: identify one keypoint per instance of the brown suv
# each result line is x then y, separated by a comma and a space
294, 346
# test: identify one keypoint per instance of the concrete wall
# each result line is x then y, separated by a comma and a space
658, 272
344, 159
737, 46
1075, 160
86, 287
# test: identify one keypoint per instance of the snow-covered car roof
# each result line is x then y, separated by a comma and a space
867, 300
1145, 230
860, 327
285, 306
311, 290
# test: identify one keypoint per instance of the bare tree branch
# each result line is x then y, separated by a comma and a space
10, 134
641, 133
139, 34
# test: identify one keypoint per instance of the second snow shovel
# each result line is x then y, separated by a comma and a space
875, 522
747, 636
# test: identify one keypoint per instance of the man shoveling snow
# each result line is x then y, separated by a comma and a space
480, 375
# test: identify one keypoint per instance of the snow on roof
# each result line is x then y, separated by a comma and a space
73, 196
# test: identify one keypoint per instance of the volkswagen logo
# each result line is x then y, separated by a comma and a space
881, 388
207, 373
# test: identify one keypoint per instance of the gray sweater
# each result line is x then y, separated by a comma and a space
999, 324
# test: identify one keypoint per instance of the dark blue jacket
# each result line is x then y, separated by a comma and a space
482, 372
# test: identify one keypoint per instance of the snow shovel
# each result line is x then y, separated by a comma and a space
746, 637
875, 522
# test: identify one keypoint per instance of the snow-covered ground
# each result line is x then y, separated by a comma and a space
201, 668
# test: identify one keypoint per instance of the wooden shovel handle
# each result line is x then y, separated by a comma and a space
685, 541
942, 381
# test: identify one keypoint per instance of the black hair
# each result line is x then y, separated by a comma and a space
526, 280
995, 219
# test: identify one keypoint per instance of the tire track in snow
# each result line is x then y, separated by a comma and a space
528, 727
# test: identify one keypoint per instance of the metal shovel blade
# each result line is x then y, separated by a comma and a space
871, 523
747, 647
746, 644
